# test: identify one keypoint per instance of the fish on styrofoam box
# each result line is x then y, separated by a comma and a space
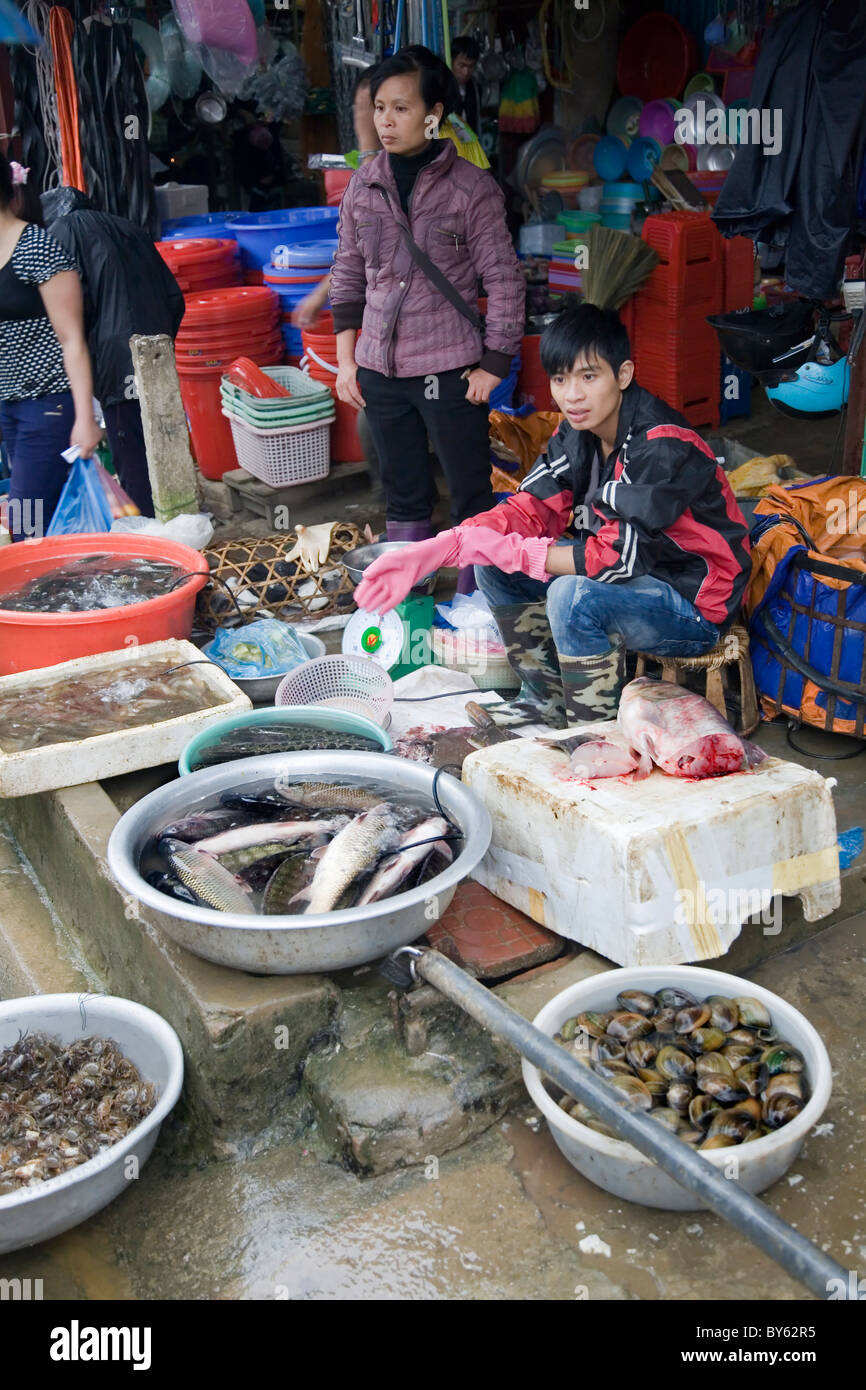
657, 872
127, 750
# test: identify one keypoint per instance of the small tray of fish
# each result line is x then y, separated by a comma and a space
100, 716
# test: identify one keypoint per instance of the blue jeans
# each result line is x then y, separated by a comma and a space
34, 433
649, 615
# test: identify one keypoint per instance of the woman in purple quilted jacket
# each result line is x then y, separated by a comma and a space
420, 365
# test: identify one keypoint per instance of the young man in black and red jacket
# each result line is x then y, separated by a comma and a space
625, 536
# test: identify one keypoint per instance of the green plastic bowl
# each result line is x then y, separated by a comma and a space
294, 714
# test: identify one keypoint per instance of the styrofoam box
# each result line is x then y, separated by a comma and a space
657, 872
126, 750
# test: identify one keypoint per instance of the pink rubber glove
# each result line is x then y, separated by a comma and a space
389, 579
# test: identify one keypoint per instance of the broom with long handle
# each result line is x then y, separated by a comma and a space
618, 264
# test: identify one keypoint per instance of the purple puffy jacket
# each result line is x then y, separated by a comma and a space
458, 219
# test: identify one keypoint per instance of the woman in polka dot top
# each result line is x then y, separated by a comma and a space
46, 385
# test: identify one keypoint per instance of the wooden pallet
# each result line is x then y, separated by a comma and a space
277, 504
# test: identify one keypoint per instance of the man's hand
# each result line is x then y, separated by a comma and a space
481, 383
389, 579
306, 313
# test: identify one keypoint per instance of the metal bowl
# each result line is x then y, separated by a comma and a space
283, 945
262, 690
47, 1208
356, 561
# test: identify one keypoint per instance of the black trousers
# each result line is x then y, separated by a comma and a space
126, 437
401, 412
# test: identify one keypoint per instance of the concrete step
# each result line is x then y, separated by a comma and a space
34, 957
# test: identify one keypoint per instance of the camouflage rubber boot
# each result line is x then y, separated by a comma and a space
531, 653
592, 685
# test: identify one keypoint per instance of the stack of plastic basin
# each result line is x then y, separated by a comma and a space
257, 233
202, 263
208, 224
301, 266
218, 326
320, 363
617, 204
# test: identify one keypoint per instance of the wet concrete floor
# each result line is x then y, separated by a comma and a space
503, 1218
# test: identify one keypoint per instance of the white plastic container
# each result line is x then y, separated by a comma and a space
621, 1169
539, 238
48, 1208
126, 750
658, 872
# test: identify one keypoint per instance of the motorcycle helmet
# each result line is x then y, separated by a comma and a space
816, 389
769, 343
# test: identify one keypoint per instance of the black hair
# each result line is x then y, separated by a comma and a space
21, 199
365, 77
435, 78
584, 330
465, 47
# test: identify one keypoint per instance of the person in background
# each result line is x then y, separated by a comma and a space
128, 289
46, 383
464, 60
421, 364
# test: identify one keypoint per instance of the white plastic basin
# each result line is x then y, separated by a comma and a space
618, 1167
49, 1208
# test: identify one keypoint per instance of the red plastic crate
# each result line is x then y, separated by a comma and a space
739, 274
681, 238
699, 289
700, 411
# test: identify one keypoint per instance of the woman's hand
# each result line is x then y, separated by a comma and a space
86, 434
481, 383
306, 313
347, 386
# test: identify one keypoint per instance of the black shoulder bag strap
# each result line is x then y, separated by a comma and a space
433, 273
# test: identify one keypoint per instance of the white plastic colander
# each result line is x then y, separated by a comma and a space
353, 683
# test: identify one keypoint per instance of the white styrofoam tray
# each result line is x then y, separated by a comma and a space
126, 750
658, 872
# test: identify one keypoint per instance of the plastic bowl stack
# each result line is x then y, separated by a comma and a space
202, 263
284, 440
567, 183
218, 326
299, 267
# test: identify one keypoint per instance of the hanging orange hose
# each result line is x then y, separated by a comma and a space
61, 28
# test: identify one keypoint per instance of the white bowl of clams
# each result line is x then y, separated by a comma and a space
747, 1112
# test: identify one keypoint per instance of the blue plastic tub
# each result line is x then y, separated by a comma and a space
209, 224
313, 254
257, 233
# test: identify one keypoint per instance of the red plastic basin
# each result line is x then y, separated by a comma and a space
29, 641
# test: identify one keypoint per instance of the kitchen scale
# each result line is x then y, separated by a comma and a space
398, 640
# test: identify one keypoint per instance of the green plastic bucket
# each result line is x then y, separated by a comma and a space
331, 719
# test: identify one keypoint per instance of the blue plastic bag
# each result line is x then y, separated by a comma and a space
264, 648
83, 505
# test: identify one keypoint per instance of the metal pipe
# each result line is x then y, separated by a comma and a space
797, 1255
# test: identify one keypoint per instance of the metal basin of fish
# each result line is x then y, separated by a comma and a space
360, 559
294, 945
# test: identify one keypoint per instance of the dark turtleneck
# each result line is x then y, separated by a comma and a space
407, 167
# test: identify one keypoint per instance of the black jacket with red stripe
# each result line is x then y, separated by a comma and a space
662, 507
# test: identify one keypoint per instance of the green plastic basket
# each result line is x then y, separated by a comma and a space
282, 419
304, 391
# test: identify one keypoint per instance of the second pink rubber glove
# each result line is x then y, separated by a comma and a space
389, 579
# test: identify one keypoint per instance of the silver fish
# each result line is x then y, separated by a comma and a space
327, 796
395, 870
206, 878
287, 832
353, 850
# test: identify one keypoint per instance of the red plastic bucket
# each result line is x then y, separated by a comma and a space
210, 431
29, 641
533, 383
